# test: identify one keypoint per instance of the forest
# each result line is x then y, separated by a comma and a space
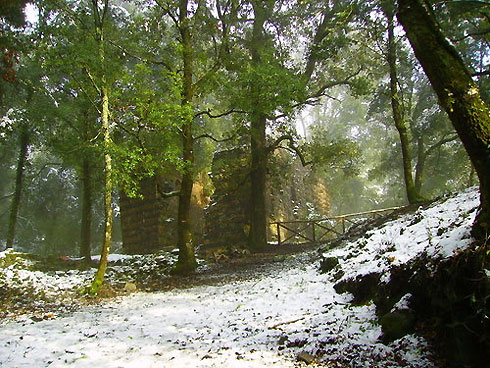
189, 131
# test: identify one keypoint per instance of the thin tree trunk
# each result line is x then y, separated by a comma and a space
258, 147
457, 93
19, 176
104, 94
420, 166
108, 213
398, 114
187, 261
86, 228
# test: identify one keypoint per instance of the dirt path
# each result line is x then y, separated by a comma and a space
244, 267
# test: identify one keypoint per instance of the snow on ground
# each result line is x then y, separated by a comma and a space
438, 231
243, 324
268, 321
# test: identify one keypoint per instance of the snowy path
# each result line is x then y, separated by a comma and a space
266, 319
242, 324
278, 312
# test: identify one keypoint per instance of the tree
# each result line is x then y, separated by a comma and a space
187, 260
399, 114
271, 83
100, 14
13, 12
193, 57
24, 137
457, 93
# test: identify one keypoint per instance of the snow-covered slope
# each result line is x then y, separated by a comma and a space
437, 232
274, 320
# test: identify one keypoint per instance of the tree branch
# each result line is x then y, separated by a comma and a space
92, 80
6, 196
229, 112
104, 11
440, 143
331, 84
132, 134
143, 60
314, 99
471, 34
167, 11
166, 195
482, 73
215, 139
291, 148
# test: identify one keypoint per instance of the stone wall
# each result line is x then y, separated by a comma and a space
290, 190
149, 224
226, 218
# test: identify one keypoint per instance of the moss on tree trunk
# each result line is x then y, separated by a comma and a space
107, 136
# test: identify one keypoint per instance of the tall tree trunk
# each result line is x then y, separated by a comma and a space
104, 94
187, 261
19, 176
108, 213
398, 114
258, 146
457, 93
86, 228
258, 220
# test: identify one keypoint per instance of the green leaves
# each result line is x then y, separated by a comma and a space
269, 87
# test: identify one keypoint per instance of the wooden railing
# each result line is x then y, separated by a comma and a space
314, 231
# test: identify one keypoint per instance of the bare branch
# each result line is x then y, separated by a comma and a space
229, 112
215, 139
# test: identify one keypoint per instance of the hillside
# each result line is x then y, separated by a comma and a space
282, 312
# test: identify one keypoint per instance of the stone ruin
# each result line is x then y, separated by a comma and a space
146, 224
149, 223
290, 192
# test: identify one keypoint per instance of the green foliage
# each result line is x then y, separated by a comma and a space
333, 154
268, 87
